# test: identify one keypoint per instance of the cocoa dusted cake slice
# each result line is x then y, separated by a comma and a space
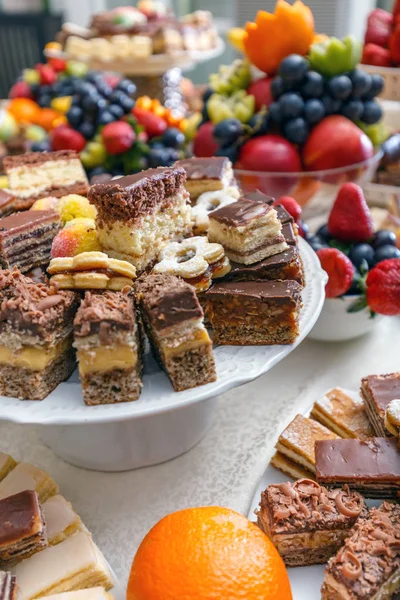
8, 586
36, 326
367, 567
173, 319
36, 175
22, 527
372, 467
108, 344
378, 391
26, 238
249, 231
138, 214
254, 312
306, 522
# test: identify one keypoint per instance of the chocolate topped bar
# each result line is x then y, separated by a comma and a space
241, 213
21, 222
204, 168
169, 300
378, 391
7, 200
137, 195
258, 196
103, 311
279, 291
367, 567
285, 265
8, 586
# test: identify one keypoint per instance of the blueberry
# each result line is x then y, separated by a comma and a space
127, 86
104, 117
372, 112
173, 138
293, 67
323, 233
116, 110
230, 152
360, 252
277, 87
76, 101
43, 146
44, 100
227, 131
275, 112
104, 89
45, 89
296, 130
162, 157
94, 76
314, 111
353, 109
316, 242
208, 92
97, 171
384, 237
313, 85
87, 129
361, 81
74, 115
384, 252
376, 87
124, 101
340, 87
93, 102
156, 143
291, 105
204, 113
84, 88
332, 106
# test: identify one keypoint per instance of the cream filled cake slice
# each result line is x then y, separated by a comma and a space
36, 327
61, 519
36, 175
173, 319
209, 175
28, 477
138, 214
249, 231
108, 343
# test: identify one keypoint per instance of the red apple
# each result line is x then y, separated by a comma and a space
204, 144
20, 90
269, 153
336, 142
261, 90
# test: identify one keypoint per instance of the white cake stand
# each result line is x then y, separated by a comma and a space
162, 424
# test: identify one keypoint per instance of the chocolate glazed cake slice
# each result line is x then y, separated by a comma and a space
36, 323
109, 348
173, 319
8, 586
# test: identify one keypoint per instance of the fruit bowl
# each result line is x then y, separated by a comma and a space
313, 190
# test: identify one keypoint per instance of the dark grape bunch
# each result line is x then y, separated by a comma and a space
302, 98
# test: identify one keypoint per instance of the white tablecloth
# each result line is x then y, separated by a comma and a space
225, 467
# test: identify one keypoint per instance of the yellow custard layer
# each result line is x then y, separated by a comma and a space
29, 357
199, 339
106, 358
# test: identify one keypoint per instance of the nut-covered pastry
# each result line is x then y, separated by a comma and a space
196, 260
307, 522
206, 203
22, 527
254, 312
108, 344
367, 567
208, 175
392, 418
295, 454
173, 320
372, 467
26, 238
249, 231
138, 214
343, 412
91, 271
36, 175
28, 477
8, 586
36, 323
378, 391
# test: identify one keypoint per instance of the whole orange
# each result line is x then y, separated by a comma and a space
208, 553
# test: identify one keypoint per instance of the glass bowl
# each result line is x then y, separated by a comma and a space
315, 191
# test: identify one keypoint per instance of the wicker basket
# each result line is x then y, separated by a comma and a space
391, 91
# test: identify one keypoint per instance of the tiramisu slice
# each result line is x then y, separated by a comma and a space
343, 412
286, 265
61, 519
392, 418
36, 324
22, 527
254, 312
295, 454
39, 174
7, 202
173, 319
371, 467
138, 214
306, 522
249, 231
8, 586
208, 175
28, 477
7, 464
107, 340
378, 391
74, 564
367, 567
26, 238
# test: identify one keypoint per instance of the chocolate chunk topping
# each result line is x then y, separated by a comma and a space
240, 213
204, 168
104, 313
283, 214
19, 517
261, 290
22, 221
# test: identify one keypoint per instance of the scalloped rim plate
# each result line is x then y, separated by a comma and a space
236, 365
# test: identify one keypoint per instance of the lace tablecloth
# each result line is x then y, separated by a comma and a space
224, 468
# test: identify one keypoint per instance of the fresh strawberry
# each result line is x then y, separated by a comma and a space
383, 287
340, 271
394, 44
21, 89
58, 64
66, 138
152, 123
350, 218
376, 56
293, 208
204, 143
380, 16
118, 137
379, 34
47, 74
